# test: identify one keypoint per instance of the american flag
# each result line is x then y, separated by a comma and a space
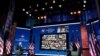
31, 49
96, 44
91, 45
77, 43
10, 39
8, 47
1, 46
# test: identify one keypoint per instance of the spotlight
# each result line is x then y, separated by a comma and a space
60, 6
37, 5
46, 3
27, 12
45, 17
23, 9
41, 17
30, 14
35, 10
71, 13
74, 12
38, 17
84, 5
84, 1
54, 1
43, 8
51, 7
79, 12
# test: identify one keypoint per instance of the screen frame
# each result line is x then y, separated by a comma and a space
67, 47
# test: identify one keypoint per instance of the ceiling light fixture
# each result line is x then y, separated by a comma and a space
79, 12
37, 5
30, 14
23, 9
38, 17
46, 3
41, 17
84, 5
45, 17
51, 7
54, 1
27, 12
43, 8
35, 10
71, 13
60, 6
74, 12
84, 1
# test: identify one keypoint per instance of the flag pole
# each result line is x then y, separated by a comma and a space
8, 23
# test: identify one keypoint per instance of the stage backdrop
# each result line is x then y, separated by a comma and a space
97, 30
72, 29
21, 37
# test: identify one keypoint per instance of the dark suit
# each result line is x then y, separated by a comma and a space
19, 51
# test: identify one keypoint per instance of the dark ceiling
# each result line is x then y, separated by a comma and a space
43, 7
67, 5
39, 7
3, 11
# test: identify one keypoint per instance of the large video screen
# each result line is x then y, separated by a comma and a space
54, 41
